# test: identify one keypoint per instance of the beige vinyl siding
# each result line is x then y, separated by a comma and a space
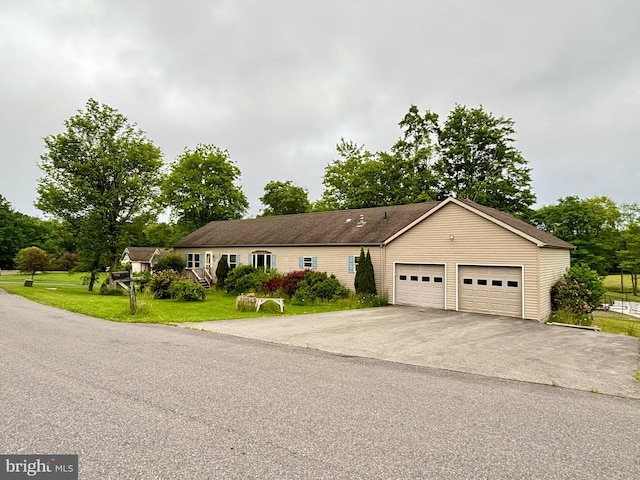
476, 241
553, 264
329, 259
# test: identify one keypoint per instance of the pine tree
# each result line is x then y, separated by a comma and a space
222, 270
370, 279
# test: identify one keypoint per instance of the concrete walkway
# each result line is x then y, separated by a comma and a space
500, 347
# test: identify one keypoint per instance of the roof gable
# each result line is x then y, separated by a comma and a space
140, 254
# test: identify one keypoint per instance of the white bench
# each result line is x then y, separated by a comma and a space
262, 301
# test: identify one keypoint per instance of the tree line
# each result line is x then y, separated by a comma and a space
104, 184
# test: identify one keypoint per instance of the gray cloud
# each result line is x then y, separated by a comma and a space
279, 83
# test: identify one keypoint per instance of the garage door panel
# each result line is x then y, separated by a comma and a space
420, 285
494, 290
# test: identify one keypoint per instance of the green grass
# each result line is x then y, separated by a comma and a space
614, 291
61, 290
613, 322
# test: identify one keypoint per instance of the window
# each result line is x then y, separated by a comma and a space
193, 260
437, 279
232, 259
481, 282
403, 277
308, 262
414, 278
426, 279
512, 283
468, 281
496, 283
263, 260
353, 263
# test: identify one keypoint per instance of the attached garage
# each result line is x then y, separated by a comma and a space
420, 284
496, 290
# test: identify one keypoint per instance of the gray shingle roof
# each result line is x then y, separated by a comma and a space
320, 228
141, 254
338, 228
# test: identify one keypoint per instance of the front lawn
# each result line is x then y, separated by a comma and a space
613, 287
614, 322
61, 290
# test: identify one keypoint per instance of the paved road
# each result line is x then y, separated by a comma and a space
157, 402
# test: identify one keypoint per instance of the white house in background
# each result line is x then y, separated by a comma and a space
141, 258
453, 255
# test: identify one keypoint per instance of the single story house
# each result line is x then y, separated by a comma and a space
453, 255
141, 258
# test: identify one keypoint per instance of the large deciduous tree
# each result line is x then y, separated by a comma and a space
589, 224
201, 187
471, 156
478, 161
101, 175
284, 198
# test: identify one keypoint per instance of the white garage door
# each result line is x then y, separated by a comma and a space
494, 290
421, 285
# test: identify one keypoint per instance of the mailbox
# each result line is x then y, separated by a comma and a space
120, 275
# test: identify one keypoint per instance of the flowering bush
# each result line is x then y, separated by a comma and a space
578, 293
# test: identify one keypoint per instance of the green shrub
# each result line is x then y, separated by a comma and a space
246, 278
173, 261
319, 286
222, 272
160, 283
143, 278
579, 291
187, 291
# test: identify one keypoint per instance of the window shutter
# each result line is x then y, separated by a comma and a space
273, 260
301, 262
314, 263
352, 264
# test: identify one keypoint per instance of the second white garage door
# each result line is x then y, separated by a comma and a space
494, 290
421, 285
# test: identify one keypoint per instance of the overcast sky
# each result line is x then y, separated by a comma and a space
277, 83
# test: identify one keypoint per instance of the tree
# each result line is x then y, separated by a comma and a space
415, 152
630, 254
472, 156
361, 179
101, 175
172, 261
365, 281
477, 161
161, 234
589, 224
222, 271
10, 234
32, 260
200, 188
284, 198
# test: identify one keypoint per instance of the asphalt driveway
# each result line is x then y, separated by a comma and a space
500, 347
